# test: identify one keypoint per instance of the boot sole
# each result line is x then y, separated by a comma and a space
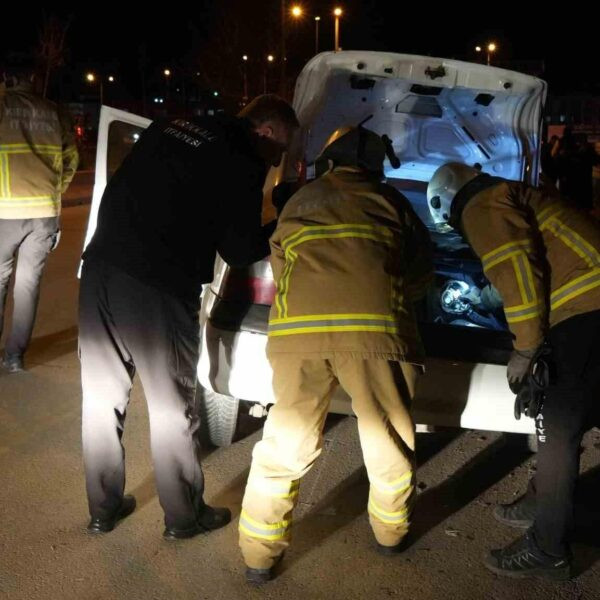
108, 527
562, 574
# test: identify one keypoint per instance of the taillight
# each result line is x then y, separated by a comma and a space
242, 285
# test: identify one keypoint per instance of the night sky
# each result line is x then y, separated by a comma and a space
112, 37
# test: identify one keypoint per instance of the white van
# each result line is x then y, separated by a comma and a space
434, 110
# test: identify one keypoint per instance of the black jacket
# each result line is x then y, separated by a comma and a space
188, 189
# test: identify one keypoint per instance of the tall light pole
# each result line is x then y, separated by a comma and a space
91, 78
317, 21
270, 59
167, 74
337, 13
245, 67
491, 48
282, 73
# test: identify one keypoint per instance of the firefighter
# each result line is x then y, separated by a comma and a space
543, 256
38, 159
349, 257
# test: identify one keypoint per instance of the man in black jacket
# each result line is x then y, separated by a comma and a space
189, 188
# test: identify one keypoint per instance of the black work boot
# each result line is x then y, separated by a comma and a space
261, 576
104, 525
13, 363
519, 514
208, 520
523, 559
400, 547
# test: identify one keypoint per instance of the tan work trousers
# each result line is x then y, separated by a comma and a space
381, 392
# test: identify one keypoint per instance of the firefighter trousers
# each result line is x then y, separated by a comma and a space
381, 391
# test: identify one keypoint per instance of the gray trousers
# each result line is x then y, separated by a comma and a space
126, 326
31, 240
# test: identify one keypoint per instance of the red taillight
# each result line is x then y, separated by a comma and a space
240, 287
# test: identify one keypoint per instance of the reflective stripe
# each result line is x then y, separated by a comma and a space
574, 241
276, 489
550, 211
524, 277
575, 288
393, 518
398, 486
321, 232
33, 148
4, 177
524, 312
504, 252
331, 323
264, 531
28, 201
333, 231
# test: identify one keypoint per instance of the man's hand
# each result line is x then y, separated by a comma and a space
518, 368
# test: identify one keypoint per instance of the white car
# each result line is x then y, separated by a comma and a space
434, 110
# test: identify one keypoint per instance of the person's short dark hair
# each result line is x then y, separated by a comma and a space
18, 65
270, 107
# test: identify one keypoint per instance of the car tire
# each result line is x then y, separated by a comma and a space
220, 417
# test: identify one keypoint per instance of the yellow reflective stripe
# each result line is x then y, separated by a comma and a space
392, 518
264, 531
524, 277
276, 489
544, 215
333, 323
290, 262
4, 176
28, 202
398, 486
332, 229
334, 316
336, 329
575, 242
320, 232
575, 288
34, 150
504, 252
523, 312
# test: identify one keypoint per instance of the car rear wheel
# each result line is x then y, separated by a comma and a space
220, 416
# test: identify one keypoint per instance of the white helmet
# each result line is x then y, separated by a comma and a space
446, 182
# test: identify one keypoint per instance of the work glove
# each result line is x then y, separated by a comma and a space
518, 368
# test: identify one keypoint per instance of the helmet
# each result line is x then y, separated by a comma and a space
446, 182
356, 147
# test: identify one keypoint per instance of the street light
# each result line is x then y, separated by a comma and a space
111, 78
317, 20
245, 72
297, 11
91, 78
337, 13
270, 59
491, 48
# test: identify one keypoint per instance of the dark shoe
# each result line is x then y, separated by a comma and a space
97, 525
523, 559
13, 363
394, 550
261, 576
520, 514
209, 520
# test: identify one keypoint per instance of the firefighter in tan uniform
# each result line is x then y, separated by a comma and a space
349, 257
543, 256
38, 159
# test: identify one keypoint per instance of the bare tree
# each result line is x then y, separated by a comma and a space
51, 50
